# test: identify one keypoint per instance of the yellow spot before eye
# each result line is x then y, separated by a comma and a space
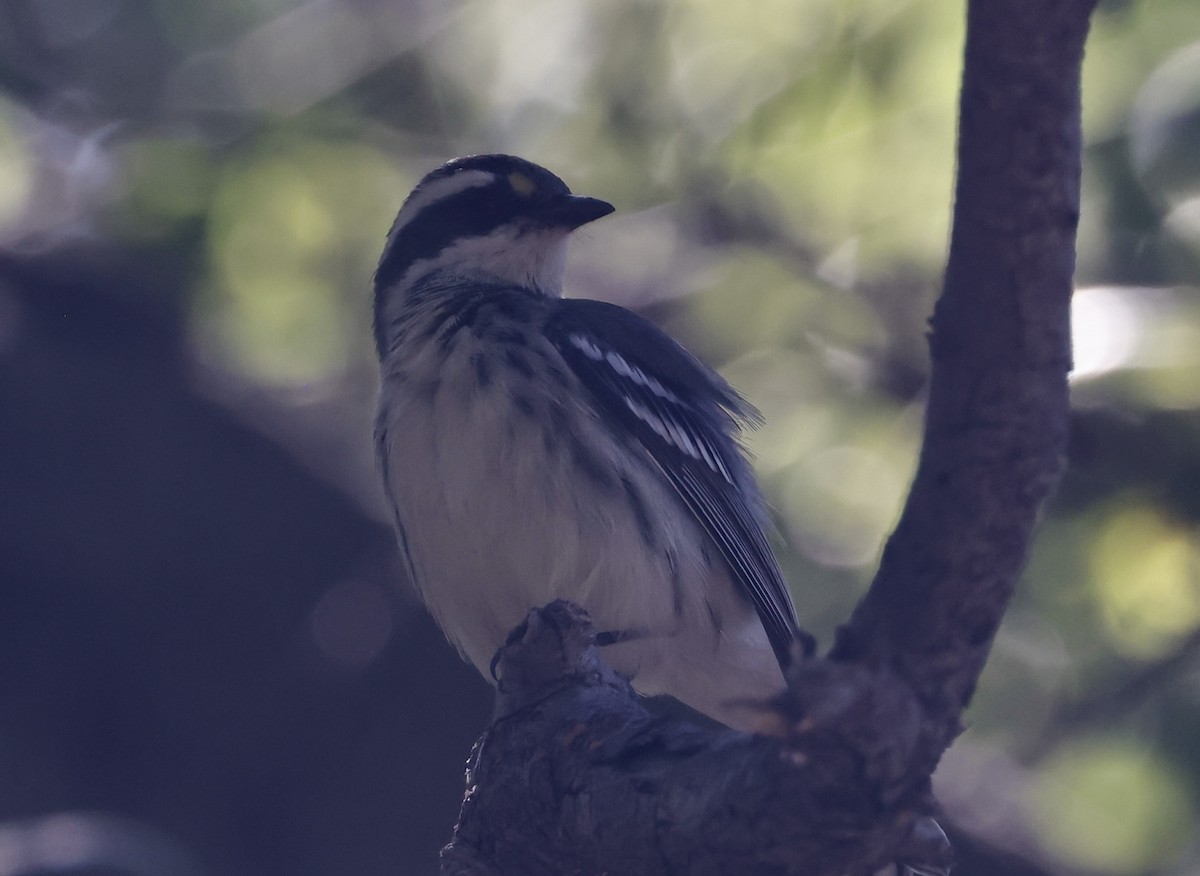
521, 184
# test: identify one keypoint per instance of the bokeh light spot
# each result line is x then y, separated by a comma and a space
168, 180
1184, 221
1110, 806
16, 169
1165, 125
296, 233
352, 623
840, 504
1104, 330
1145, 581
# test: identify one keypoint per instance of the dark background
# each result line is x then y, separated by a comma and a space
209, 661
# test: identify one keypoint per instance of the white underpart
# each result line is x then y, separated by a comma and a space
531, 258
497, 523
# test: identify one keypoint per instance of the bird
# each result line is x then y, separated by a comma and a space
535, 447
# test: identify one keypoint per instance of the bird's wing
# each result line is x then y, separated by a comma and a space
687, 418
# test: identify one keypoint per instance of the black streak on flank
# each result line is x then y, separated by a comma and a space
559, 426
524, 404
587, 463
516, 360
559, 421
714, 619
483, 370
449, 333
644, 524
429, 388
676, 586
557, 374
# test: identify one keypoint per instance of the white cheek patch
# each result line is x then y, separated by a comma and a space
533, 259
553, 263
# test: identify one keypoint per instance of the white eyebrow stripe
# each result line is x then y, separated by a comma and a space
437, 190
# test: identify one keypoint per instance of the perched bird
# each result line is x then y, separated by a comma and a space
535, 447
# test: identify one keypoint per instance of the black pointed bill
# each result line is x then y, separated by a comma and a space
574, 210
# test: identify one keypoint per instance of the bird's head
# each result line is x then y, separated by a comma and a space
494, 218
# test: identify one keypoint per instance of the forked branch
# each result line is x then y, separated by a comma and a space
574, 777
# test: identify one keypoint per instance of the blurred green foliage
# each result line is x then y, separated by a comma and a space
1109, 805
783, 173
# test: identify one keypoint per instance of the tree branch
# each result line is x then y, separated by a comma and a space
996, 424
574, 776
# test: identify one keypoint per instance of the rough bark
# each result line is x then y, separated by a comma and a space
996, 422
574, 777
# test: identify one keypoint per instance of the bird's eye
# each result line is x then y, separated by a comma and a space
522, 185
